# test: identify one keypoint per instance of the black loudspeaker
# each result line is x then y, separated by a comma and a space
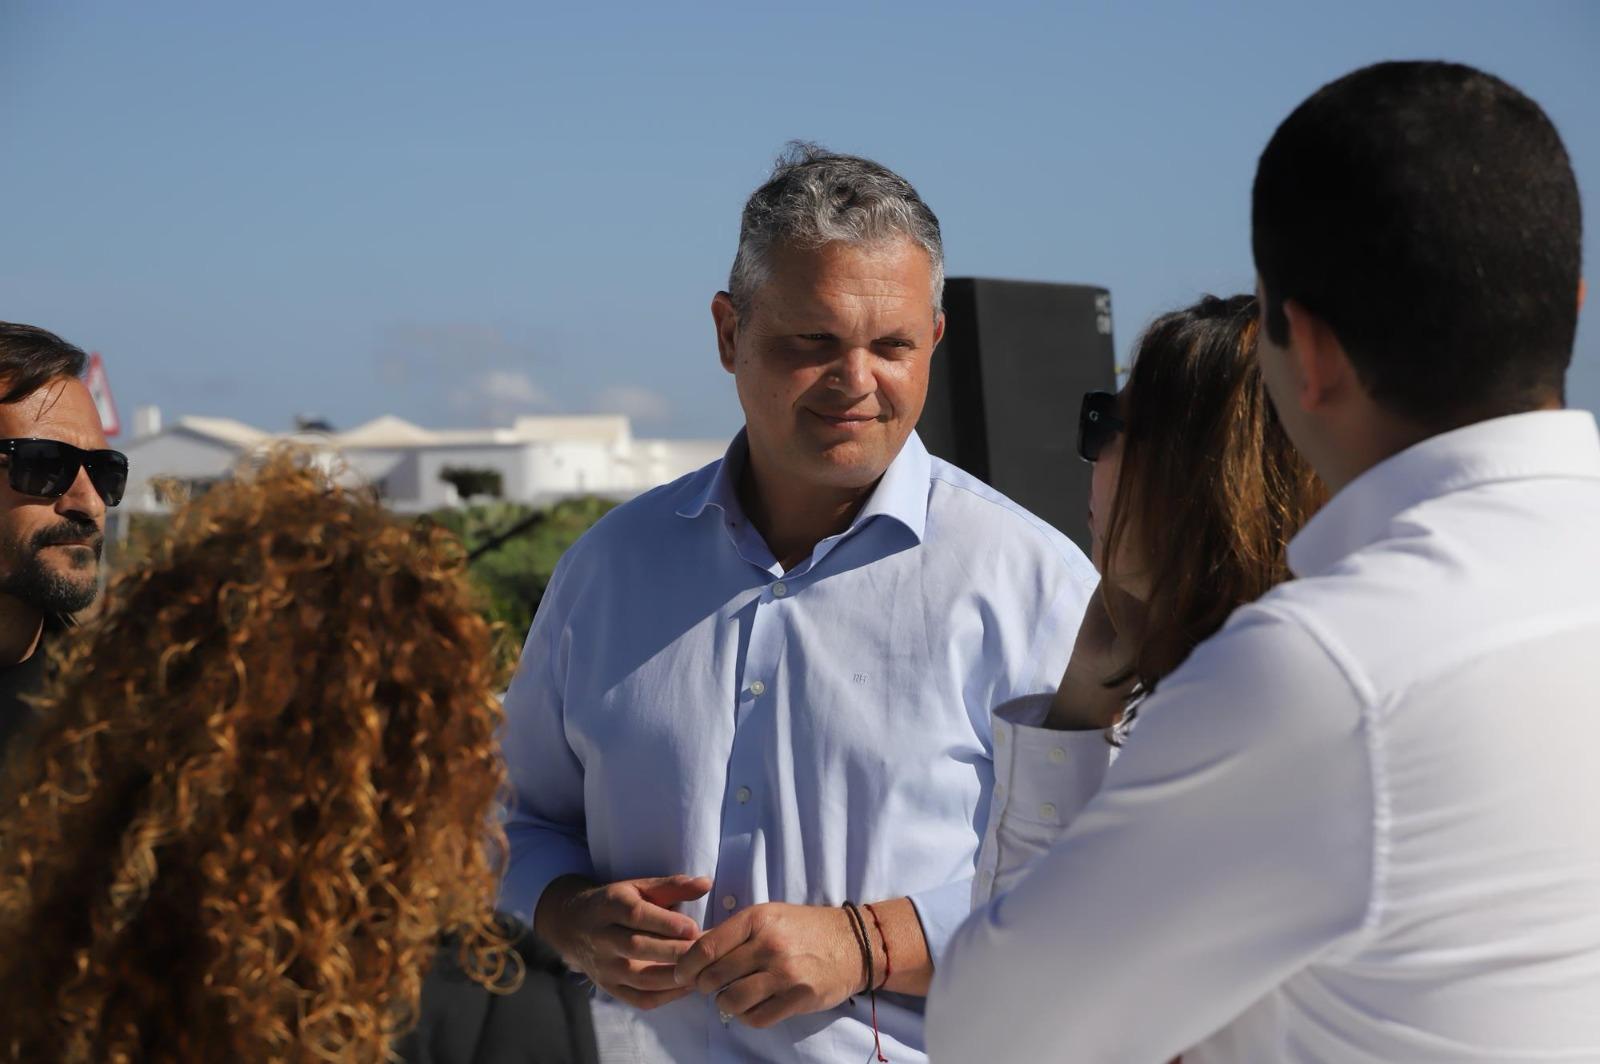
1005, 384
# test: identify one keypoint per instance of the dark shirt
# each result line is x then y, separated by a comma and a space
24, 678
546, 1021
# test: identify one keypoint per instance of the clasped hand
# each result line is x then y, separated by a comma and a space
773, 961
763, 965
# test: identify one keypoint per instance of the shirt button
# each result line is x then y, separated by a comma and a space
1058, 755
758, 688
999, 735
729, 902
999, 789
1048, 811
743, 794
780, 589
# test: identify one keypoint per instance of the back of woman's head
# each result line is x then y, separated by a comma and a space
264, 786
1210, 489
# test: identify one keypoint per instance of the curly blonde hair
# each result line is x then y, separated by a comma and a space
263, 790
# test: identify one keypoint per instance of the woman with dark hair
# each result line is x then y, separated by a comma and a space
261, 796
1195, 494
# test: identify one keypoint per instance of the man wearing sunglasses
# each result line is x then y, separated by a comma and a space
59, 479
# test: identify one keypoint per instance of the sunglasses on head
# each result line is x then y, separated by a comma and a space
47, 468
1098, 424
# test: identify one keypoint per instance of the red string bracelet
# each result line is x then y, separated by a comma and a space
888, 965
888, 970
858, 924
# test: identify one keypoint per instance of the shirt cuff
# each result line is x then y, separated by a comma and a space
942, 911
1048, 776
539, 857
1043, 778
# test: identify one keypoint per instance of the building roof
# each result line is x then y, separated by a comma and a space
224, 430
394, 433
590, 428
385, 431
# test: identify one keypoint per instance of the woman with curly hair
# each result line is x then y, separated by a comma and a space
261, 797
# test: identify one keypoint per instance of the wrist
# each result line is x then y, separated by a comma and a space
1082, 714
864, 969
878, 944
1077, 719
550, 920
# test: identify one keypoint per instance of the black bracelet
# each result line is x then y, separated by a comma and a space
859, 925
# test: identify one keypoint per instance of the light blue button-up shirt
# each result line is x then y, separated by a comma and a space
685, 706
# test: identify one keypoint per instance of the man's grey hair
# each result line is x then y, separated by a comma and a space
816, 197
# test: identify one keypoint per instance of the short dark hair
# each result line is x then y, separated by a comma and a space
1428, 213
30, 358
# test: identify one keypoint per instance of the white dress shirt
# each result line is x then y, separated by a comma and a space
1362, 823
810, 736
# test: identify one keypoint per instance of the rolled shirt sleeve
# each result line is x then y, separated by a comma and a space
1233, 842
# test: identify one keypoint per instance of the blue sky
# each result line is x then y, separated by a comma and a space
457, 213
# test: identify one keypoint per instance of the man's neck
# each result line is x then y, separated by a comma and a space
796, 518
21, 627
1372, 447
1375, 436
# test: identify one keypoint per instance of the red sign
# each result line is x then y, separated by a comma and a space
100, 390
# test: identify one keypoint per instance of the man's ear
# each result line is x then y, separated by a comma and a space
1323, 373
938, 329
727, 323
1583, 290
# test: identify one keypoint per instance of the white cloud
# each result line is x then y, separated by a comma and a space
640, 404
496, 396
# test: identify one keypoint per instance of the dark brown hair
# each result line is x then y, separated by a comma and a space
1429, 214
263, 789
30, 358
1208, 477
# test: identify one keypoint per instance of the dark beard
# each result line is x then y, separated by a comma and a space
47, 590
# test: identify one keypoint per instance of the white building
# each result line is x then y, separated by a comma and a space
538, 459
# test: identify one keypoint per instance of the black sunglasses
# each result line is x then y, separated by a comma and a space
47, 468
1098, 424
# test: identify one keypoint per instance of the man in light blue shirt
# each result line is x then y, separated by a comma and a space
763, 691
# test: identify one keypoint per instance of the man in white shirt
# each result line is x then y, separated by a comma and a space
1362, 823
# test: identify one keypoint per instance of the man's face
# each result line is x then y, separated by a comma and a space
50, 548
831, 363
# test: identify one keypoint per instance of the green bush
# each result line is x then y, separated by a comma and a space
514, 574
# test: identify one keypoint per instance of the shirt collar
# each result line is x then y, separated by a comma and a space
1538, 445
718, 487
901, 495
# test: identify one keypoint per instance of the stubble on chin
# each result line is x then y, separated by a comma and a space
53, 589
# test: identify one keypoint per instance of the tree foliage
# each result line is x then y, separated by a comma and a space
471, 482
513, 575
